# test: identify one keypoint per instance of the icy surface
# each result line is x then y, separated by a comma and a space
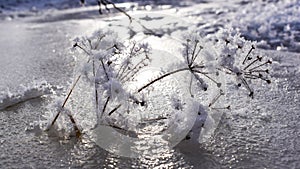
259, 133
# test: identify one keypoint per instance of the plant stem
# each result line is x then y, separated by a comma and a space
190, 86
96, 89
216, 98
115, 109
163, 76
63, 105
103, 66
187, 52
76, 128
105, 2
247, 56
107, 100
252, 63
205, 74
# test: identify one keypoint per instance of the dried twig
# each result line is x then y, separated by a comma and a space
106, 2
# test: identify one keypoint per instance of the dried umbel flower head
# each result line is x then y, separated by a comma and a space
239, 59
109, 67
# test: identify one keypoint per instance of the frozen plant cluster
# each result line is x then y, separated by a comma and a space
114, 69
110, 68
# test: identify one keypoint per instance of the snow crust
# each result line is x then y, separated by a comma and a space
33, 90
274, 25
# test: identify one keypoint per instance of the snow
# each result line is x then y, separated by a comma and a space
273, 25
250, 131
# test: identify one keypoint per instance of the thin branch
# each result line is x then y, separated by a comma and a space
105, 5
130, 133
258, 59
96, 89
134, 72
161, 77
105, 2
76, 128
77, 45
103, 66
105, 105
115, 109
200, 80
221, 108
216, 98
125, 65
262, 71
205, 74
65, 101
99, 40
190, 86
260, 76
247, 86
99, 4
200, 49
267, 62
247, 56
187, 51
193, 53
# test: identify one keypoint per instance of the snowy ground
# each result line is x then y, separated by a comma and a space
259, 133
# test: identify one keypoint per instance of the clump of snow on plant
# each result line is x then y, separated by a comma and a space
33, 90
232, 62
64, 127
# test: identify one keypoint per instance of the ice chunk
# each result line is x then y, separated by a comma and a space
33, 90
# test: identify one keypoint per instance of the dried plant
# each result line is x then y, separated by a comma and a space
112, 66
240, 60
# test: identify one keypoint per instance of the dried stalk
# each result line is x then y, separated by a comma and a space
161, 77
65, 101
